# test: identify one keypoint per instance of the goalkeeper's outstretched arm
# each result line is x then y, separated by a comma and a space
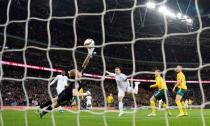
87, 59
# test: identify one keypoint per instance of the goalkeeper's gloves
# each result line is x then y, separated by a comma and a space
91, 52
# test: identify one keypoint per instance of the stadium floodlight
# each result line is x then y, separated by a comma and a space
150, 5
162, 9
185, 17
170, 14
179, 15
189, 21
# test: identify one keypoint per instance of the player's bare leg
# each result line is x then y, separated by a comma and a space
135, 89
152, 105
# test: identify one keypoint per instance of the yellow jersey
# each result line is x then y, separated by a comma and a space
181, 77
190, 102
81, 90
160, 83
110, 99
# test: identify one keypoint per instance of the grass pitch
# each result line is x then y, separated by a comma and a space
17, 118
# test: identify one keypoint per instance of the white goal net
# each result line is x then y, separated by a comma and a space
136, 27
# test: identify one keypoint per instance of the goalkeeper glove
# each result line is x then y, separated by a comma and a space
90, 52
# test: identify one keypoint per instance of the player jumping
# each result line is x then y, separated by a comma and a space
69, 92
123, 86
182, 90
161, 94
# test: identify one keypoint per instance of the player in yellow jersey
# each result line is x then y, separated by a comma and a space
190, 101
160, 94
181, 92
110, 100
76, 101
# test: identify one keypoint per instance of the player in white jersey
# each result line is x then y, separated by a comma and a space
62, 82
123, 86
70, 91
89, 101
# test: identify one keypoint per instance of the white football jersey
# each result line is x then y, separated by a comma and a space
122, 82
62, 82
89, 99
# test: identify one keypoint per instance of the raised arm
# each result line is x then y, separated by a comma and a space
155, 85
110, 74
87, 59
54, 80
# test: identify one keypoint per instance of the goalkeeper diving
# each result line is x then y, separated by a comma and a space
71, 90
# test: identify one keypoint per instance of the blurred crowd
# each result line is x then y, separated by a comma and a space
36, 92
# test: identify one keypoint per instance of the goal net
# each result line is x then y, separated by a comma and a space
40, 39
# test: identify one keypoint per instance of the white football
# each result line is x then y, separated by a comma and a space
89, 42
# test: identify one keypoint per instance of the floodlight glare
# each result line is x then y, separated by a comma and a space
185, 17
179, 16
162, 9
170, 14
150, 5
189, 21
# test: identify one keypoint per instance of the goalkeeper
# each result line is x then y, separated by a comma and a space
161, 94
69, 92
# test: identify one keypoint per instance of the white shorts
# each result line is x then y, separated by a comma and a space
121, 93
89, 103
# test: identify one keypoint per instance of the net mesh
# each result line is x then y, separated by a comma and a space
103, 45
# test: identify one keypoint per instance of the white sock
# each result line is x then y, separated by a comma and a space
120, 106
136, 89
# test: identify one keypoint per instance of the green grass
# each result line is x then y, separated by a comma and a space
17, 118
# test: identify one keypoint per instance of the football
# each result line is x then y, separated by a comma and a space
89, 43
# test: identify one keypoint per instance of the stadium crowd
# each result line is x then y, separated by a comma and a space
13, 93
149, 59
